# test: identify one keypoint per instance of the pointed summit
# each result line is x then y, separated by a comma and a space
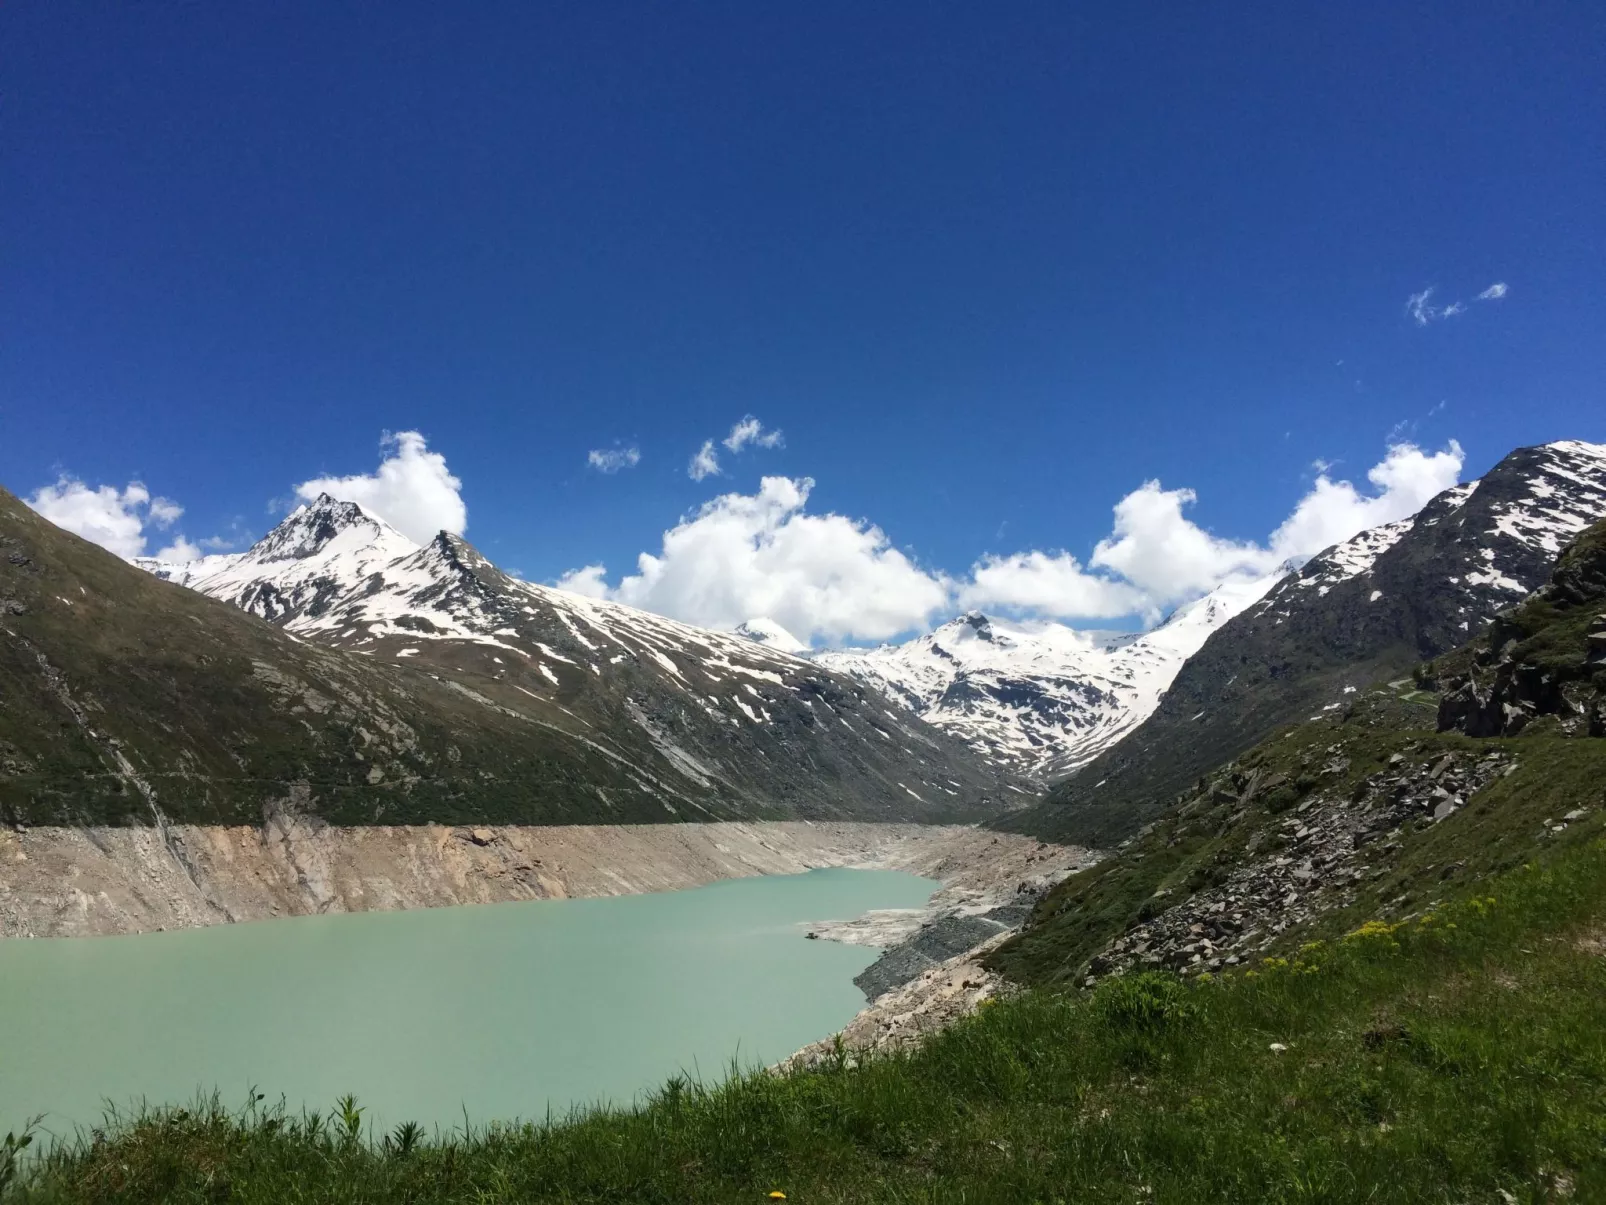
312, 527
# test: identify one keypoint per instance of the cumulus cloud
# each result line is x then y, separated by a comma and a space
1494, 292
750, 431
1167, 555
704, 463
179, 550
740, 555
840, 579
611, 460
116, 519
1404, 480
1156, 557
412, 489
1053, 584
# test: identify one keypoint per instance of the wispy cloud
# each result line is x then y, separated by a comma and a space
1418, 306
705, 463
1422, 310
748, 432
751, 431
611, 460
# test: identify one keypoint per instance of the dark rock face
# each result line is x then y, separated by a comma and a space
1360, 612
1544, 658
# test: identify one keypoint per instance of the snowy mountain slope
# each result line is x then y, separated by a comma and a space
1041, 698
715, 722
1365, 610
767, 632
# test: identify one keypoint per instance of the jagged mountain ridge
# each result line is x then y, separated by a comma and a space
1372, 607
1041, 698
722, 722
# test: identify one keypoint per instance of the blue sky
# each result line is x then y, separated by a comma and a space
988, 268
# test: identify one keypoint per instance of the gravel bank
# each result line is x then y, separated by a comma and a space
59, 882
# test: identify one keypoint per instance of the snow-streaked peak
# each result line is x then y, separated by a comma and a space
1566, 493
335, 574
1039, 697
763, 630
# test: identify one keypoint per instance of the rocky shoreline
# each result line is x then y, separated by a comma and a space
69, 882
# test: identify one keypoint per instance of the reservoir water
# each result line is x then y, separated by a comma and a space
502, 1010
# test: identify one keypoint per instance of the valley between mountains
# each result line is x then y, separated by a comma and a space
339, 719
1311, 872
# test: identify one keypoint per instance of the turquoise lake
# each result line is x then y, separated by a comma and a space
502, 1010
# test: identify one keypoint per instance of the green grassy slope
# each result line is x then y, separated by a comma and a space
1459, 1057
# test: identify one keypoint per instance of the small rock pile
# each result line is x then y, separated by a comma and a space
1312, 862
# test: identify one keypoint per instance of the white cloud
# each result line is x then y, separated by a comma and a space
412, 489
589, 581
742, 555
1417, 306
1422, 311
1051, 584
1405, 479
611, 460
1156, 556
1167, 555
116, 519
831, 577
751, 431
705, 463
179, 550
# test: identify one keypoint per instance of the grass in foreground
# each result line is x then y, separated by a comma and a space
1457, 1058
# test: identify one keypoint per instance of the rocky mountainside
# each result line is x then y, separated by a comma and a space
396, 684
1360, 612
1042, 699
1365, 812
1542, 663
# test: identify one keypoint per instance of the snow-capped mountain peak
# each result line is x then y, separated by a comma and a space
763, 630
702, 719
1039, 697
309, 530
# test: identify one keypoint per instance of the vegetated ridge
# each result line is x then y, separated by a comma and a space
424, 686
1364, 610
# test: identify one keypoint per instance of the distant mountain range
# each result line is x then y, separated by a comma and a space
336, 667
1042, 699
391, 681
1360, 612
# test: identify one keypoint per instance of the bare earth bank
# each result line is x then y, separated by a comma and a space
61, 882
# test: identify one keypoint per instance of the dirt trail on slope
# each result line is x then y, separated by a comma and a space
61, 882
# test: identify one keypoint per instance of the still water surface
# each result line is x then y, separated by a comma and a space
502, 1009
